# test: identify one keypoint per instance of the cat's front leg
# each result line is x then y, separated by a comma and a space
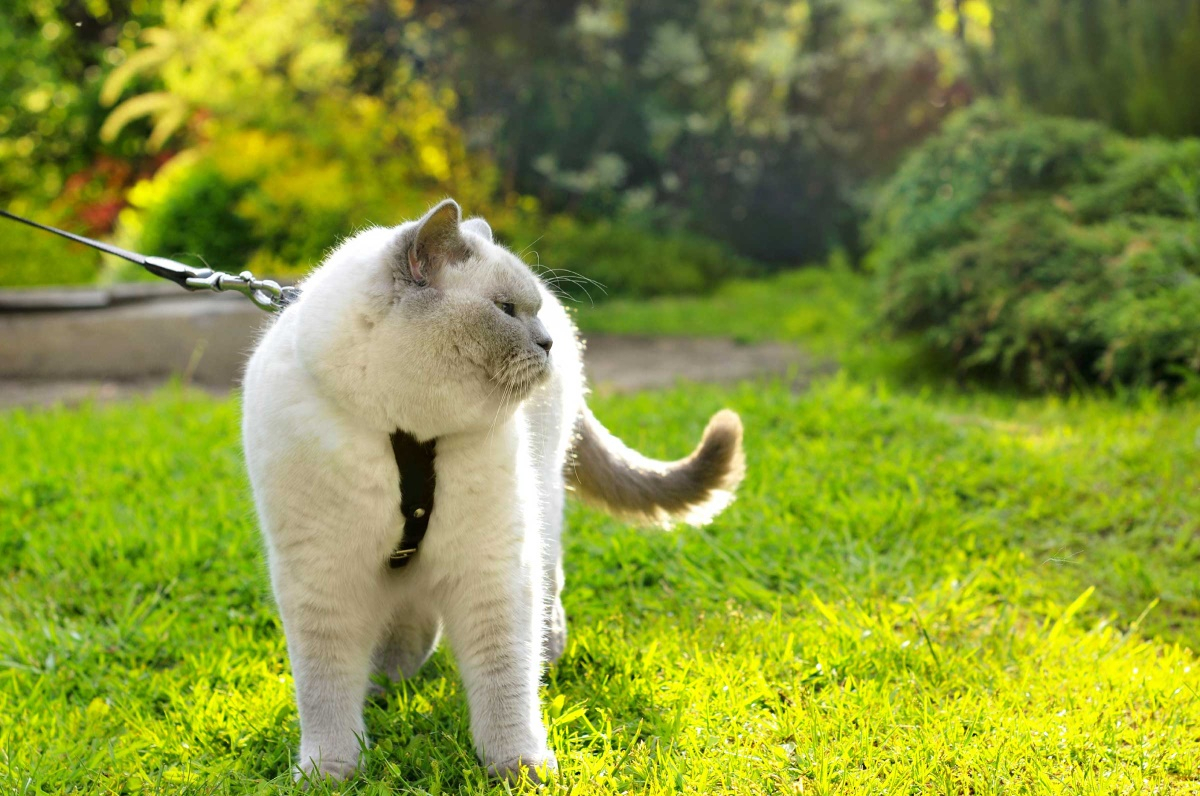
493, 620
330, 615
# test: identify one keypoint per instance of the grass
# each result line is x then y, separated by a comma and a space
820, 307
918, 591
827, 310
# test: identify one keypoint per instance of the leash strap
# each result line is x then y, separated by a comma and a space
265, 293
417, 481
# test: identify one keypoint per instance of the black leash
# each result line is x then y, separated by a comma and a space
414, 459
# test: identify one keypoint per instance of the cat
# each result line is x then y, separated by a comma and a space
432, 328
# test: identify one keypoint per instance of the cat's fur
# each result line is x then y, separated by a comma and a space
407, 328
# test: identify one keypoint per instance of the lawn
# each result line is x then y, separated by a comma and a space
921, 589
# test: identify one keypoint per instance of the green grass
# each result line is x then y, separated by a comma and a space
819, 306
828, 310
918, 591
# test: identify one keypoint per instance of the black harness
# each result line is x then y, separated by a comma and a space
414, 460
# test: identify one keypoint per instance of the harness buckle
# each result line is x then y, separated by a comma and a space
400, 556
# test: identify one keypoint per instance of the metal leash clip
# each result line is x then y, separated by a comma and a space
266, 293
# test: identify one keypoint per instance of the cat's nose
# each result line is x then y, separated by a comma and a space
541, 335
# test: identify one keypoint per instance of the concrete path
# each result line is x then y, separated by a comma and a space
64, 349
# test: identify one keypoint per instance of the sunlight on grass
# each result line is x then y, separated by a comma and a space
899, 601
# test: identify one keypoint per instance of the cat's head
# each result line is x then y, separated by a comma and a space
429, 326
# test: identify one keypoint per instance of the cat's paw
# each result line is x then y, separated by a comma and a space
556, 634
538, 768
310, 771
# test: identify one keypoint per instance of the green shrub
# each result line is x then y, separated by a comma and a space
1046, 251
622, 258
29, 257
198, 221
1153, 178
983, 154
1131, 64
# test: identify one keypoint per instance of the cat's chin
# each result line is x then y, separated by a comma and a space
526, 376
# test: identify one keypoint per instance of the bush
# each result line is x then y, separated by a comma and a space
278, 200
32, 257
197, 220
270, 203
615, 258
1131, 64
1048, 251
752, 123
982, 154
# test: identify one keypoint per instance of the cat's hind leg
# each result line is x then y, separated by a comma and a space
555, 641
410, 638
546, 422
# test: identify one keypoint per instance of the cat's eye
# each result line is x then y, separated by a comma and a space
507, 307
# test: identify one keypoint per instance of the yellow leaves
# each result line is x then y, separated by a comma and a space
798, 14
168, 111
978, 12
947, 19
143, 61
147, 193
312, 67
321, 186
975, 17
229, 57
242, 155
434, 162
37, 101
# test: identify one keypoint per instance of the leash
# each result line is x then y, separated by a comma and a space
414, 459
265, 293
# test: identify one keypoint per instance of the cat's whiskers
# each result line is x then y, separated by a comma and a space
552, 276
503, 406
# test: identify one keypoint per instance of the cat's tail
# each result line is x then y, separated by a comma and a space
693, 490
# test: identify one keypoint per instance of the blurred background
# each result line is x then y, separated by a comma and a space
1010, 184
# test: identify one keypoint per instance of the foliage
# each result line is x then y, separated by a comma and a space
197, 217
754, 123
1129, 63
55, 56
243, 62
35, 258
1045, 250
915, 613
609, 258
283, 156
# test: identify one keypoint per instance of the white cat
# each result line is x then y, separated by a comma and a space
431, 328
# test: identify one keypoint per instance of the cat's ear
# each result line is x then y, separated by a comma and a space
479, 227
436, 242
